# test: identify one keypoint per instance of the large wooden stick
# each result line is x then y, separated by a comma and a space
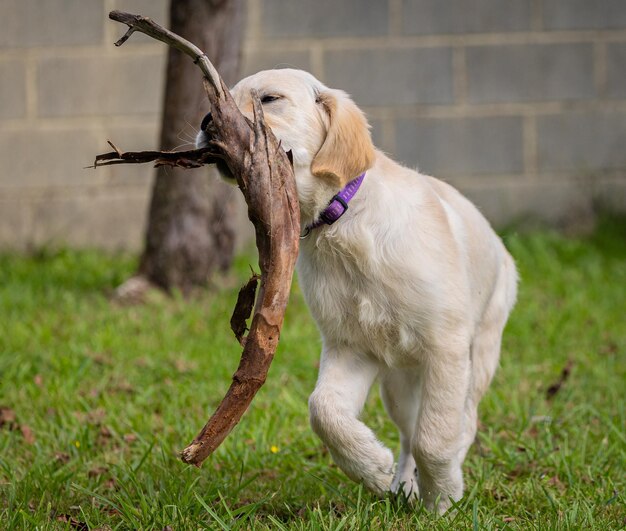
265, 176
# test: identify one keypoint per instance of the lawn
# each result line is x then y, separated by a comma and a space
97, 400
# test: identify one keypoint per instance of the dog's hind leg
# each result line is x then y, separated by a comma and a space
485, 355
342, 387
399, 389
485, 351
444, 385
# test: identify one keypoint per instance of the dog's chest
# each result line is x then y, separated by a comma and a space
360, 306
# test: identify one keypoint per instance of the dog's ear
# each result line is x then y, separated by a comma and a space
347, 150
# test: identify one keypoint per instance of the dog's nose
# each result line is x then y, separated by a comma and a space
205, 122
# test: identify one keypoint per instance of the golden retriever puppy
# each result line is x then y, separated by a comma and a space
409, 285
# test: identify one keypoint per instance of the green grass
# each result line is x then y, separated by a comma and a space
110, 394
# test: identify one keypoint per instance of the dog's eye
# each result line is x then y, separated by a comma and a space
269, 98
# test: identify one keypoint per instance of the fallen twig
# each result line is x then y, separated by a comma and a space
556, 386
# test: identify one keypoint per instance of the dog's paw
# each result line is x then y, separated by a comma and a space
379, 480
439, 503
405, 484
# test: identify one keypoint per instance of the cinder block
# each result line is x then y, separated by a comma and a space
616, 69
584, 14
530, 72
51, 22
14, 223
582, 142
43, 157
430, 17
566, 204
12, 89
113, 221
257, 60
324, 18
101, 85
380, 77
461, 146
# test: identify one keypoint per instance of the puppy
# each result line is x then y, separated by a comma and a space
409, 285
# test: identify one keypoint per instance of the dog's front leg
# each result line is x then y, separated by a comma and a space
438, 436
342, 387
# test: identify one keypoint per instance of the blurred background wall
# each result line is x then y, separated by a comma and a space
520, 103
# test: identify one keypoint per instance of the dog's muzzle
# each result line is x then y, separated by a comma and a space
203, 135
202, 140
205, 122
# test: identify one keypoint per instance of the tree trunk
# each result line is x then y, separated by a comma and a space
190, 230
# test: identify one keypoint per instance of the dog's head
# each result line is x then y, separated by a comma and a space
326, 132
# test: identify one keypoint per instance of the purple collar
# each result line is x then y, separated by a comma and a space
337, 206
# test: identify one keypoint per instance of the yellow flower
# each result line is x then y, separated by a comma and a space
77, 444
274, 449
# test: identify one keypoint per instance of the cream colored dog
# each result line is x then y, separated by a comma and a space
410, 286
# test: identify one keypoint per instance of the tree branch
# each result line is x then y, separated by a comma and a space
265, 176
193, 158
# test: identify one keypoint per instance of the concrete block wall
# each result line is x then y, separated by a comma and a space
64, 90
520, 104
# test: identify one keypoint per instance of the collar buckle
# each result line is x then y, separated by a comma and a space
337, 207
330, 214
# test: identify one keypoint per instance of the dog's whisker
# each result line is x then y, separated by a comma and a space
194, 128
184, 144
187, 139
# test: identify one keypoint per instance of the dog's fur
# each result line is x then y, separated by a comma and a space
411, 286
